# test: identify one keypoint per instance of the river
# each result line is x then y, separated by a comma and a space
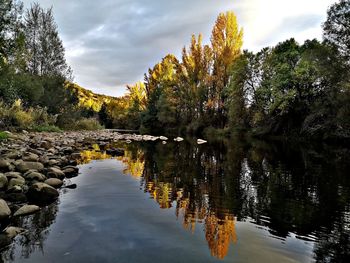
225, 201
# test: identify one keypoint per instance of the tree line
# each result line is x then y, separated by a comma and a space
36, 89
290, 89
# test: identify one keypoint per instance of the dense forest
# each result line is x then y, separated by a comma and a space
291, 89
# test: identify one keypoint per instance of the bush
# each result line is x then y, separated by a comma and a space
89, 124
3, 136
46, 128
22, 119
41, 117
17, 117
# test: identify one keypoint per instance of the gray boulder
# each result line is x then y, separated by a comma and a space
31, 157
5, 165
12, 231
27, 210
42, 193
53, 172
54, 182
70, 171
16, 181
46, 144
34, 176
3, 181
25, 166
5, 211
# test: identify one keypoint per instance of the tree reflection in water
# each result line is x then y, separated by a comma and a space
286, 188
37, 230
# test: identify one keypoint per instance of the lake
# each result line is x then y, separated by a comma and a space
225, 201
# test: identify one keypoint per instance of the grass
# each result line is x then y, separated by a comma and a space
3, 135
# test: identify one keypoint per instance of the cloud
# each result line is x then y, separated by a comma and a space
112, 43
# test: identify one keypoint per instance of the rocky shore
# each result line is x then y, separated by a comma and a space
35, 166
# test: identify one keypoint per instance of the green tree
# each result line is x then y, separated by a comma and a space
336, 29
44, 44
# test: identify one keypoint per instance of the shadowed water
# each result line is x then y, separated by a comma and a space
225, 201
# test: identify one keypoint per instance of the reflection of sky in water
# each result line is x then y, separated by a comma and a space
108, 219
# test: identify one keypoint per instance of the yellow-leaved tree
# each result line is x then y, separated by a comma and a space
227, 41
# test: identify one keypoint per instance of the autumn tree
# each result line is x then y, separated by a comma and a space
194, 80
161, 85
227, 41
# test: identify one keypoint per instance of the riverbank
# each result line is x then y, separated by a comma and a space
35, 167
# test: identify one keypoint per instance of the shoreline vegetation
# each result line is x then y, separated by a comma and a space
290, 90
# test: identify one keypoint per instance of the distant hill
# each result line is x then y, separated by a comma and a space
89, 99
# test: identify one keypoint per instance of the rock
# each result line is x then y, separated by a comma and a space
16, 181
3, 181
33, 175
44, 160
4, 241
13, 155
31, 157
53, 172
14, 189
53, 162
35, 151
54, 182
12, 231
75, 156
5, 211
163, 142
71, 186
46, 144
11, 175
16, 197
25, 166
42, 193
26, 210
200, 141
67, 150
5, 165
178, 139
70, 171
163, 138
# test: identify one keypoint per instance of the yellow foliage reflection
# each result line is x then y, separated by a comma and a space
192, 208
219, 234
133, 166
93, 154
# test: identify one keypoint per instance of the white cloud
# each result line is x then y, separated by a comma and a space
111, 43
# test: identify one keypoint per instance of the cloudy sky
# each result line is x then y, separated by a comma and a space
112, 43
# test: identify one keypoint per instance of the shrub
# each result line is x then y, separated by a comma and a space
17, 117
3, 136
22, 119
41, 117
47, 128
90, 124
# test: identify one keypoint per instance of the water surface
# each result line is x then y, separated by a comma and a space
221, 202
